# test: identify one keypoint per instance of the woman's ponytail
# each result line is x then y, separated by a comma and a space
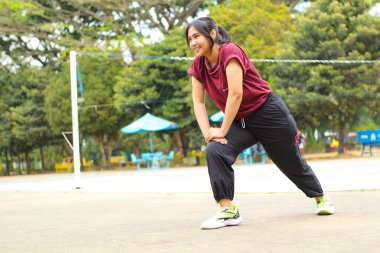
223, 36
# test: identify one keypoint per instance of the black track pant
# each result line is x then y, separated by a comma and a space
274, 127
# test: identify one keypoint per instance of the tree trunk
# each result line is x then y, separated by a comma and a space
6, 161
177, 139
80, 154
341, 137
12, 161
104, 149
109, 151
27, 161
42, 158
184, 142
19, 165
136, 151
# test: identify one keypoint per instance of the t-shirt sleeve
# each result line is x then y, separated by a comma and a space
232, 51
194, 70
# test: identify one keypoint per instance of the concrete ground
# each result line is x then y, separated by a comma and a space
161, 210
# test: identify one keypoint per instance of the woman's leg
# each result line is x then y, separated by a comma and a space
275, 128
220, 158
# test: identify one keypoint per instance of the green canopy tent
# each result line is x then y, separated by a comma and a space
149, 124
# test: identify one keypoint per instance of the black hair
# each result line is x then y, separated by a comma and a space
204, 26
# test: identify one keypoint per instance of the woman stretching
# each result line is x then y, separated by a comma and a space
252, 114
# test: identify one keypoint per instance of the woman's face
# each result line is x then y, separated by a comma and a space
198, 42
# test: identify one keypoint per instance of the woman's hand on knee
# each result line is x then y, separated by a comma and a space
220, 140
215, 134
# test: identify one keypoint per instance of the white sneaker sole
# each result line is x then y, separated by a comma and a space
220, 224
326, 211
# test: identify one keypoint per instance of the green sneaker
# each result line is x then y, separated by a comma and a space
226, 217
325, 207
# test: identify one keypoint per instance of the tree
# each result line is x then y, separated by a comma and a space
257, 26
24, 119
98, 118
331, 30
5, 132
40, 30
102, 122
290, 3
160, 82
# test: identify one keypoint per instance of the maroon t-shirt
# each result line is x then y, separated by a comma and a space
255, 89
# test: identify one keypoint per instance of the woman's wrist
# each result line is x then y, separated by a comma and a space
205, 131
224, 129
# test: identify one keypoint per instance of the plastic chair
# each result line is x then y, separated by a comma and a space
169, 158
136, 161
247, 155
148, 158
157, 158
263, 158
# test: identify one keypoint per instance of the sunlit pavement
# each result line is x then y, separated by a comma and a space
161, 210
334, 175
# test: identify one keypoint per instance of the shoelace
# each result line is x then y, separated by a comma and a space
228, 211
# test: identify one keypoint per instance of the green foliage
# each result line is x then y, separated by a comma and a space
54, 27
5, 89
23, 125
313, 146
58, 99
27, 112
61, 24
331, 30
365, 120
162, 84
35, 103
98, 117
257, 26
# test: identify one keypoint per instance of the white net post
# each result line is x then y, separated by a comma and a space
74, 112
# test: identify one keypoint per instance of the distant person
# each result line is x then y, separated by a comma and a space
301, 142
328, 144
252, 113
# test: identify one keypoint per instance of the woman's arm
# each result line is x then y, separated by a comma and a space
200, 111
234, 72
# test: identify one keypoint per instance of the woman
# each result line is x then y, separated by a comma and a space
252, 114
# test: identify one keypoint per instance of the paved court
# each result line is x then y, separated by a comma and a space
160, 211
335, 175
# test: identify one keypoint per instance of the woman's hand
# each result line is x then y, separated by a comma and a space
220, 140
215, 134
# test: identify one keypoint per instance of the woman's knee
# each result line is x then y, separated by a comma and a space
220, 152
213, 148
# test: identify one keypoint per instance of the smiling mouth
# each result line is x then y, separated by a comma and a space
196, 49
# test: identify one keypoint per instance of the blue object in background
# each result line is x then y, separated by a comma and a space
148, 124
217, 117
369, 138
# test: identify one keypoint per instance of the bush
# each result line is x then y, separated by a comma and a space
315, 147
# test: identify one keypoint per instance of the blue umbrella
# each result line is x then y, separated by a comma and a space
149, 123
217, 117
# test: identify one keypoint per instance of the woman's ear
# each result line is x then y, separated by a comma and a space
213, 34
